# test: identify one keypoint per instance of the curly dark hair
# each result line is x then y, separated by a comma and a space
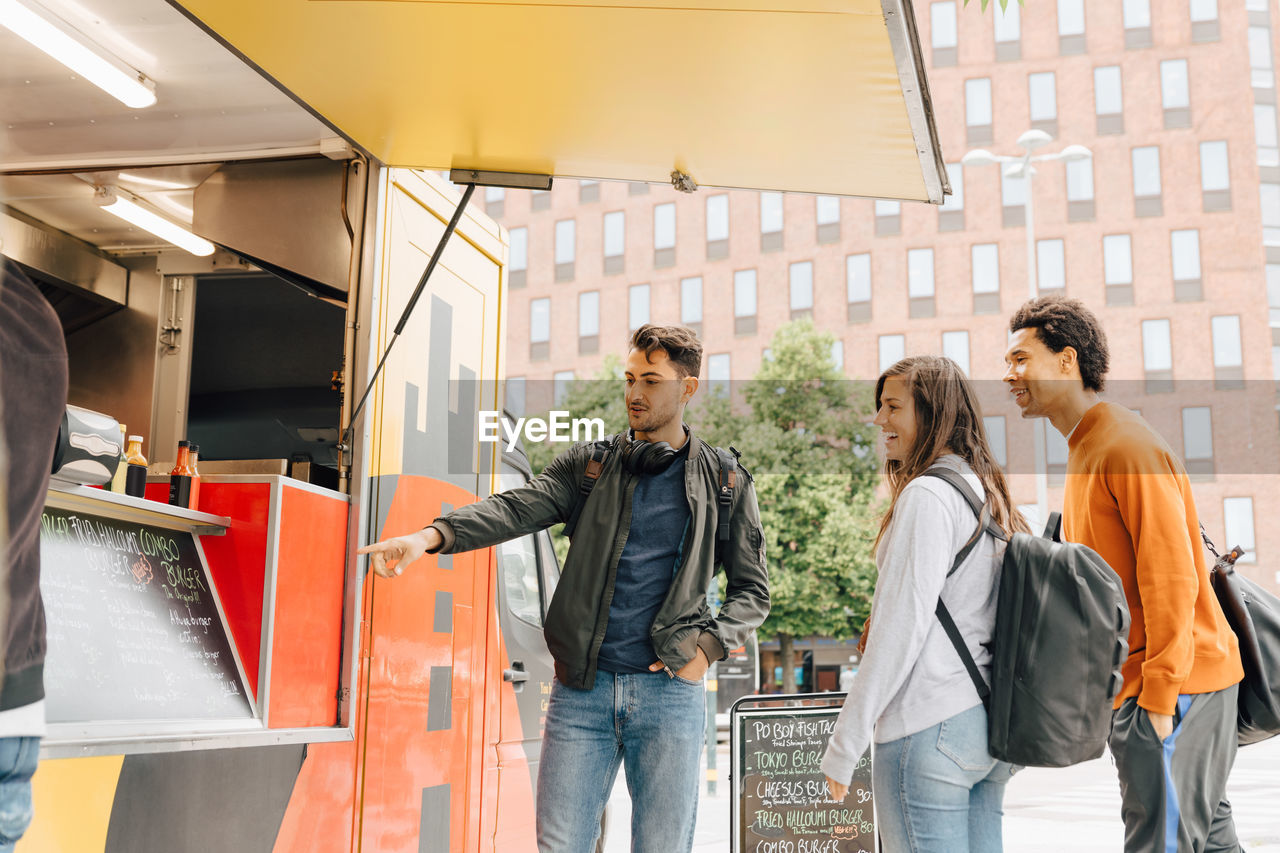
1061, 322
681, 345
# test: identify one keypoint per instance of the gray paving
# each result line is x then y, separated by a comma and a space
1072, 810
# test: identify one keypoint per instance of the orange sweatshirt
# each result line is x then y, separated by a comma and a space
1127, 497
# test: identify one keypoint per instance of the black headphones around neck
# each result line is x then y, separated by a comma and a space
647, 457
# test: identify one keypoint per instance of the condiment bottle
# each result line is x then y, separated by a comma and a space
117, 481
180, 477
195, 477
136, 478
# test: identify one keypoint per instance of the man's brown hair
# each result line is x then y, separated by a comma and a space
1062, 322
680, 344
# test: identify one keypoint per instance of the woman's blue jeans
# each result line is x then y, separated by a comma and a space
653, 725
939, 790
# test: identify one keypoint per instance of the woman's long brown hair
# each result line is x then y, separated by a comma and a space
948, 419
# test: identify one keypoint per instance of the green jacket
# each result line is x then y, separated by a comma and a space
579, 611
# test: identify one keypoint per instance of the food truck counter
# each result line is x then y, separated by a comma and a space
172, 628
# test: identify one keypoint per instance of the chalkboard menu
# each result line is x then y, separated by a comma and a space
134, 629
780, 794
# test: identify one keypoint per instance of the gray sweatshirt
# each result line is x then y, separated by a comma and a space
911, 677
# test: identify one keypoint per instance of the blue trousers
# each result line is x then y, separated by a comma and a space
939, 790
18, 757
650, 723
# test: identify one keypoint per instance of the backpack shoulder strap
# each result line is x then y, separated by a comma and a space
728, 481
599, 453
944, 616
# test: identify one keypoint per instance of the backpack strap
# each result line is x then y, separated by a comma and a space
599, 452
980, 509
724, 496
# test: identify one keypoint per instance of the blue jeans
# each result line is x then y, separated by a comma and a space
652, 724
940, 790
18, 757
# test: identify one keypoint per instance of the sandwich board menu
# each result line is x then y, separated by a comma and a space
780, 802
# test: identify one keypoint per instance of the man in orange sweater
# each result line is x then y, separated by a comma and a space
1127, 497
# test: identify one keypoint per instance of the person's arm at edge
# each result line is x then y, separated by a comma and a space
746, 597
1150, 502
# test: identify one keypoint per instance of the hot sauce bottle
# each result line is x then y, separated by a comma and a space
195, 477
135, 483
180, 477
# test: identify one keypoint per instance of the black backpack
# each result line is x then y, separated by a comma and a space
724, 497
1061, 635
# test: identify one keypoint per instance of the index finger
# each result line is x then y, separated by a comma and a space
376, 548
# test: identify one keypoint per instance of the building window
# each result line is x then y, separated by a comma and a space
562, 380
1157, 356
1042, 97
717, 227
943, 32
837, 354
589, 322
1137, 24
513, 396
1175, 93
588, 191
1228, 354
801, 290
1204, 21
1215, 176
1197, 442
1261, 65
1269, 194
1117, 265
539, 329
494, 201
893, 349
1108, 99
951, 213
1013, 200
985, 275
1008, 26
691, 302
518, 260
1070, 27
1273, 304
955, 346
1080, 204
566, 249
993, 426
1055, 453
1147, 199
977, 111
1264, 134
1237, 516
744, 302
664, 235
888, 218
540, 199
637, 306
1184, 246
920, 283
1051, 265
615, 242
827, 213
719, 373
857, 285
770, 222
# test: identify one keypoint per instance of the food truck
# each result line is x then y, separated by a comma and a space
226, 675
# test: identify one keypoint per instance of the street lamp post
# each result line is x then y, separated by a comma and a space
1022, 167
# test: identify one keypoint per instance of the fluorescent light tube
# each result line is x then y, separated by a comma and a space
73, 50
116, 203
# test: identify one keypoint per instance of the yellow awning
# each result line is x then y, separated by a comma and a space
820, 96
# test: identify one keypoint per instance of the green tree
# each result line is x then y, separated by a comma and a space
803, 432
